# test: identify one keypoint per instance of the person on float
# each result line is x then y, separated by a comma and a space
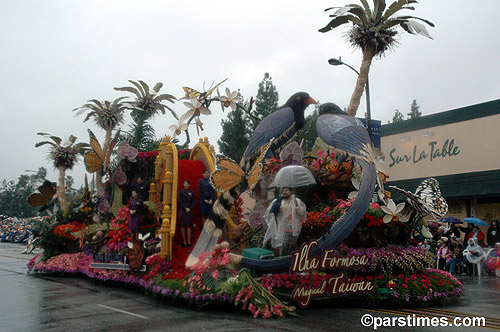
186, 203
207, 195
477, 235
466, 230
456, 256
136, 210
493, 234
284, 218
141, 188
473, 254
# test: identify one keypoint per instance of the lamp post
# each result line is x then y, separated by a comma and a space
338, 62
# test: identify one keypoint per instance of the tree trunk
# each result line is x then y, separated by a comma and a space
61, 190
368, 55
98, 176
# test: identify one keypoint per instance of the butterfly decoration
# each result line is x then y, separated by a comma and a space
229, 174
427, 199
191, 93
430, 193
46, 196
95, 160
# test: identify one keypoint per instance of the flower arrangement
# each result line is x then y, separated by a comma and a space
273, 165
318, 219
331, 168
416, 289
211, 270
119, 234
260, 301
156, 265
146, 155
184, 154
65, 230
431, 286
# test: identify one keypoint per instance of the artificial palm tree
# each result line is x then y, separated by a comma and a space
107, 116
147, 103
64, 155
373, 31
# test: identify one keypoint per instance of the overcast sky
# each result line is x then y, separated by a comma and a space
56, 55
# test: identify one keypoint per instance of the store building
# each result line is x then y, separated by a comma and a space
460, 148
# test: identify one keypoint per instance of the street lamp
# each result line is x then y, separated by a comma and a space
338, 62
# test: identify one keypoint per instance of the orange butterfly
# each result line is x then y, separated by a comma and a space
230, 174
45, 198
95, 160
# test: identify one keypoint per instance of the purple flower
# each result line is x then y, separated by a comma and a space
125, 151
119, 177
103, 207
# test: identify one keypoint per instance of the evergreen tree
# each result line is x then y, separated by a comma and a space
398, 117
14, 196
235, 135
307, 135
414, 112
266, 101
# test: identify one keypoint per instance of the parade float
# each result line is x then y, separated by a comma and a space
353, 246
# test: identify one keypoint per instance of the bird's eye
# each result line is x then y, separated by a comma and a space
299, 98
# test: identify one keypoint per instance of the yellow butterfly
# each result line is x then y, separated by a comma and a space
230, 174
95, 160
192, 93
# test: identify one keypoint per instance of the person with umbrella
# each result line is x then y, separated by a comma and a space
466, 230
284, 218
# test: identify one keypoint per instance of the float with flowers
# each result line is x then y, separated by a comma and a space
353, 243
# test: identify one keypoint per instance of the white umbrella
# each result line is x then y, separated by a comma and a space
293, 176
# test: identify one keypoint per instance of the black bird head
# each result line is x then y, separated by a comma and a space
330, 108
298, 102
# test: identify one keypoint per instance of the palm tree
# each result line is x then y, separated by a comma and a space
147, 103
107, 116
373, 31
64, 155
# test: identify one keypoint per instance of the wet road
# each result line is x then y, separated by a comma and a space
40, 303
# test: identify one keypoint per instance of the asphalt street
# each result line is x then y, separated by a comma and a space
32, 302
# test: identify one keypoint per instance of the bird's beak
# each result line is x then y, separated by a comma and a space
309, 101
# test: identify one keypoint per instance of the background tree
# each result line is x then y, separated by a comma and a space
266, 101
14, 196
235, 134
64, 155
397, 117
308, 134
373, 31
414, 110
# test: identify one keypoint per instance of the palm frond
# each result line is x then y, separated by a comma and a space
139, 88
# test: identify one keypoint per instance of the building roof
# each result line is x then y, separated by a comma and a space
438, 119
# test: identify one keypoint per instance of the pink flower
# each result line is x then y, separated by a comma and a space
215, 274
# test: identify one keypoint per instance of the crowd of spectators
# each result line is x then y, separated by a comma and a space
17, 230
463, 250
